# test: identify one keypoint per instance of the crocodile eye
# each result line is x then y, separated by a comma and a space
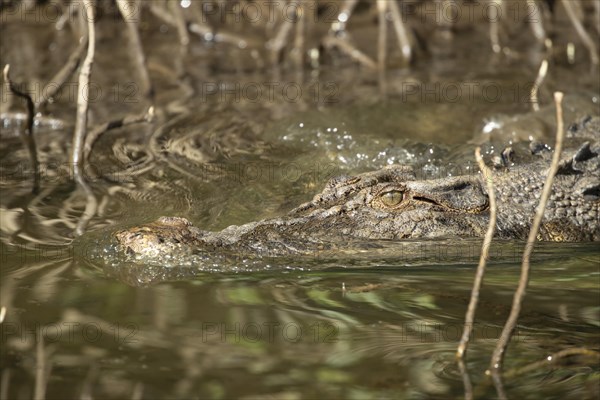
392, 198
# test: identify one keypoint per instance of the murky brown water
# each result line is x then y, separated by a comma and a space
383, 323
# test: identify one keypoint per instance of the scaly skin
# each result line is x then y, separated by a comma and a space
392, 204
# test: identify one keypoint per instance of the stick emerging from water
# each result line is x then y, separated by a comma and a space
131, 13
495, 16
349, 49
61, 77
485, 252
533, 95
401, 31
382, 9
534, 11
498, 355
41, 381
27, 138
81, 121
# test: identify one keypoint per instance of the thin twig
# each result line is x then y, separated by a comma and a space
497, 381
200, 19
160, 12
90, 140
495, 25
81, 121
298, 51
466, 379
585, 38
66, 16
498, 355
597, 15
58, 80
552, 359
535, 20
27, 136
40, 367
382, 7
184, 37
401, 31
279, 41
349, 49
132, 21
533, 96
485, 255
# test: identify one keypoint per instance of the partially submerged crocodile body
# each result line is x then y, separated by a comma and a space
392, 204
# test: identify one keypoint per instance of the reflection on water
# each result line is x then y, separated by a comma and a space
375, 330
381, 321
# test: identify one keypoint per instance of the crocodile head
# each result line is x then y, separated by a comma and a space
386, 204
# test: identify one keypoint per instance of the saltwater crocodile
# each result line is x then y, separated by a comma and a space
392, 204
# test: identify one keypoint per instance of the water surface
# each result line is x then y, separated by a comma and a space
382, 322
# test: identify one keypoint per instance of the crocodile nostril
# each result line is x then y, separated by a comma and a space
461, 186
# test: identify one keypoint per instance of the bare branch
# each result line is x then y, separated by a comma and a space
57, 82
495, 24
382, 7
466, 379
40, 367
276, 44
498, 355
27, 136
132, 21
184, 37
81, 121
485, 254
553, 358
533, 96
349, 49
401, 31
535, 20
160, 12
299, 40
